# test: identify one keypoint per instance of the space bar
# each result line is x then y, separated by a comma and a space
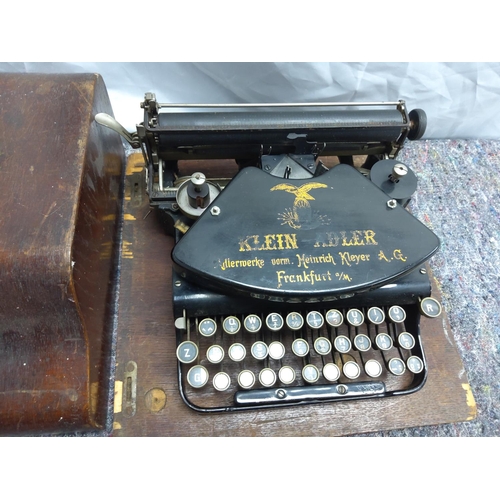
308, 393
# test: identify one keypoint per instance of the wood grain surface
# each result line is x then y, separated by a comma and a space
146, 350
60, 211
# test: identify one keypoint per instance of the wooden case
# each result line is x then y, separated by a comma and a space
60, 213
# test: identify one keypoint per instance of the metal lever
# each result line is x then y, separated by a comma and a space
110, 122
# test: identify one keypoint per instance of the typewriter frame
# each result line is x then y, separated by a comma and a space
374, 130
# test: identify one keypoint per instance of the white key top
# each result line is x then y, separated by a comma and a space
221, 381
373, 368
351, 370
215, 354
237, 352
287, 375
276, 350
267, 377
246, 379
331, 372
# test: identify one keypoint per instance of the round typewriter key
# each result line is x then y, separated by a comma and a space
207, 327
331, 372
259, 350
187, 352
276, 350
314, 319
373, 368
334, 317
376, 315
286, 375
322, 346
396, 366
274, 322
430, 307
406, 340
355, 317
397, 314
342, 344
300, 347
231, 325
221, 381
215, 354
415, 364
362, 342
237, 352
267, 377
252, 323
351, 370
383, 341
294, 321
310, 374
197, 376
246, 379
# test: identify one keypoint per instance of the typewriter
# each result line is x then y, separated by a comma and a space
301, 278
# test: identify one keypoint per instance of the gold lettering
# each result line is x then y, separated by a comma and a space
399, 256
255, 262
347, 258
370, 237
357, 237
291, 241
268, 243
381, 256
245, 245
271, 242
310, 277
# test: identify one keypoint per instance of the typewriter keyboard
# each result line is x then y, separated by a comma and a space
239, 361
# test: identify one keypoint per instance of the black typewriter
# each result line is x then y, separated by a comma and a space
302, 278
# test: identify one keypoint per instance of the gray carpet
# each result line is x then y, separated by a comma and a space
458, 197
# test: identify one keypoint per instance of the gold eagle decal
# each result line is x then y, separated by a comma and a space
302, 196
301, 215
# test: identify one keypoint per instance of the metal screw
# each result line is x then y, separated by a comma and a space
280, 393
423, 271
392, 203
267, 167
310, 165
215, 211
342, 389
177, 283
